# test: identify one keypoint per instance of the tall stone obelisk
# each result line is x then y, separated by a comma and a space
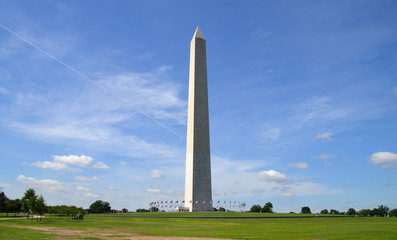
198, 191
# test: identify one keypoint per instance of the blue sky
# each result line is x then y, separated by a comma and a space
302, 101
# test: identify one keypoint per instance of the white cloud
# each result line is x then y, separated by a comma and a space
100, 165
91, 195
111, 188
287, 195
153, 190
86, 179
45, 184
273, 176
63, 162
323, 156
302, 165
385, 159
53, 165
324, 137
84, 189
156, 174
123, 163
82, 160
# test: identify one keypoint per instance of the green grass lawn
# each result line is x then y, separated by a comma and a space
235, 228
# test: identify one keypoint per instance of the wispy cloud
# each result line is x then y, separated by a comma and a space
86, 179
44, 184
302, 165
271, 135
91, 195
153, 190
84, 189
324, 137
156, 174
89, 113
323, 156
287, 195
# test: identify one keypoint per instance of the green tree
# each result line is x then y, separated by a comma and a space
268, 208
381, 211
365, 212
351, 211
13, 206
256, 208
124, 210
28, 201
333, 211
3, 200
153, 209
40, 206
142, 210
306, 210
393, 213
99, 206
324, 211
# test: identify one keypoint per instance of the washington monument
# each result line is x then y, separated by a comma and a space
198, 192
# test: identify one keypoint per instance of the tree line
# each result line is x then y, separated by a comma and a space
33, 204
380, 211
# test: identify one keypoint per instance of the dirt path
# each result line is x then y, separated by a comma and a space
65, 233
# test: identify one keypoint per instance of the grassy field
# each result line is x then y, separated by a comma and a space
232, 228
